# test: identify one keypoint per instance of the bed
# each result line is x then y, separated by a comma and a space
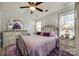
36, 45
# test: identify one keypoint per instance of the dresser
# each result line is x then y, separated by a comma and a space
9, 37
67, 45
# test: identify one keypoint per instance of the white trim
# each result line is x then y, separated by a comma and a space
77, 28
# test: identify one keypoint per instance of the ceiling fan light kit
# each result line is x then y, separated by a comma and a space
32, 8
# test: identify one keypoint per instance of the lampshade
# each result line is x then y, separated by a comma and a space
67, 27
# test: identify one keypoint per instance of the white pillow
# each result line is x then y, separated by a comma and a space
52, 34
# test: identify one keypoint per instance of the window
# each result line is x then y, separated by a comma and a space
67, 22
38, 26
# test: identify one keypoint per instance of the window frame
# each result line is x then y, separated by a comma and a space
63, 14
36, 26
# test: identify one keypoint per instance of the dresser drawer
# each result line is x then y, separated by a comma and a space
6, 43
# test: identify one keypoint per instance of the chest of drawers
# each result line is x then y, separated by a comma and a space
10, 37
67, 45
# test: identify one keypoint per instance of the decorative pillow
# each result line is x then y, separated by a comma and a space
38, 33
41, 33
53, 34
46, 34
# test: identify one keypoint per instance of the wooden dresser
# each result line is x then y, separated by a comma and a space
9, 37
67, 45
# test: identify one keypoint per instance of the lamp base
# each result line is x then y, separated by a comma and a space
67, 36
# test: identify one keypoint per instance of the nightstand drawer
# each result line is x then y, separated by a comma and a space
71, 51
6, 43
62, 47
67, 45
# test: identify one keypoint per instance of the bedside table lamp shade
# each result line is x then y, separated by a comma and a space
67, 28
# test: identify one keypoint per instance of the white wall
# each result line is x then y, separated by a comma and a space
11, 11
0, 18
77, 28
52, 19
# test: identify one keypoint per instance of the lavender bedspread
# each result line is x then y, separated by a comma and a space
39, 45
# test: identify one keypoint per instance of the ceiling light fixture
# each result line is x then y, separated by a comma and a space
32, 8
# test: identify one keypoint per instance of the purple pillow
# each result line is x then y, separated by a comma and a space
46, 34
38, 33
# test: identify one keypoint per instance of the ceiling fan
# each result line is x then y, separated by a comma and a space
33, 6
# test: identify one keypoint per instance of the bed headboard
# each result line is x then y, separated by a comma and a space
50, 28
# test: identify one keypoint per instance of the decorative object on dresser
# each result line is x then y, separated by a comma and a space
15, 25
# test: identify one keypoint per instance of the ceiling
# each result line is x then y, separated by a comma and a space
50, 6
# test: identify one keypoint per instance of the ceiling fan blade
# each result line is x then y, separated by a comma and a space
39, 9
29, 3
31, 12
37, 3
25, 7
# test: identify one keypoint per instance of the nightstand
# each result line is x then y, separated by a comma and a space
67, 45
